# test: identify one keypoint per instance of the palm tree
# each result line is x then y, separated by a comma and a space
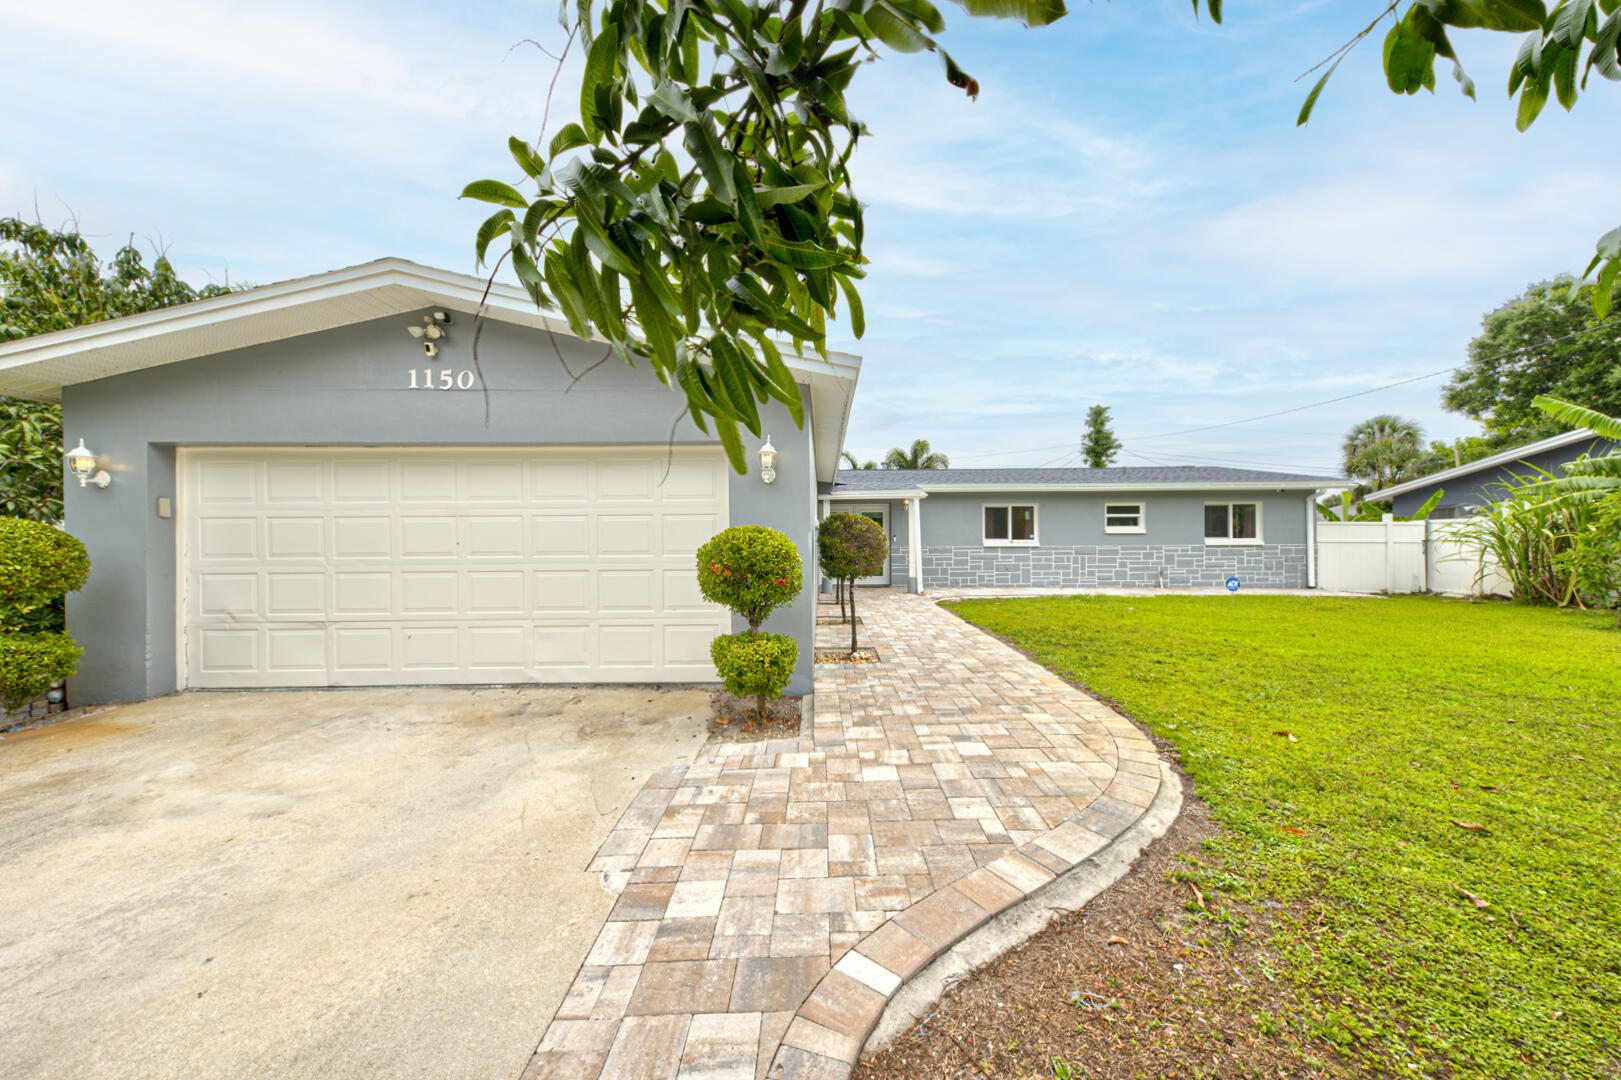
850, 459
1383, 450
918, 457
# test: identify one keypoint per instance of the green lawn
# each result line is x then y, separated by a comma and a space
1407, 715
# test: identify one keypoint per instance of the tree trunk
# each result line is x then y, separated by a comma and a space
852, 618
762, 709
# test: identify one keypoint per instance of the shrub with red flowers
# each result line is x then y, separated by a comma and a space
751, 569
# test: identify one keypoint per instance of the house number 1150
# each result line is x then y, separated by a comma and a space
443, 379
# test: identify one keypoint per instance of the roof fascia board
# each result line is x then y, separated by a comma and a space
881, 493
1220, 485
1506, 457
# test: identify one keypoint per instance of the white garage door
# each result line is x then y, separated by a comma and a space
403, 565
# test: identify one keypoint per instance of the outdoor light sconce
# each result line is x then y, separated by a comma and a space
83, 463
768, 461
432, 329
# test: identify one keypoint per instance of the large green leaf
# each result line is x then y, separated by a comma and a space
494, 191
1579, 416
714, 160
1029, 12
600, 62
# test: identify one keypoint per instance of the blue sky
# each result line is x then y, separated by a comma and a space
1126, 216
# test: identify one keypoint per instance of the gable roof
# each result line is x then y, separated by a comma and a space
1146, 477
39, 367
1507, 457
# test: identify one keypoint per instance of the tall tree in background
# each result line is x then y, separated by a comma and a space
1100, 446
52, 280
919, 456
1547, 341
1382, 451
753, 233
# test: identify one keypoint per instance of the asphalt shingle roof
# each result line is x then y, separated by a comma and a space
1121, 476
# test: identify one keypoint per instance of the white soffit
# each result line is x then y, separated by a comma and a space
39, 367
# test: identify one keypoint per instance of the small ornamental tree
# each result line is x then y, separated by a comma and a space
851, 546
39, 563
753, 571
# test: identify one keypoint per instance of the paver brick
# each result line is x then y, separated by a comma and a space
772, 896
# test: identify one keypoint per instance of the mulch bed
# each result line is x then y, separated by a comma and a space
845, 656
1151, 979
734, 719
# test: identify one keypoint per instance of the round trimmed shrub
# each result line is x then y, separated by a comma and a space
30, 664
755, 664
851, 546
750, 569
38, 564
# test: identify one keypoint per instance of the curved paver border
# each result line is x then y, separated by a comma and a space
774, 897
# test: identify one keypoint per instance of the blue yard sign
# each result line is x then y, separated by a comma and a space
1232, 584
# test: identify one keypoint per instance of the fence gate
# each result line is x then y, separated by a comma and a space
1392, 556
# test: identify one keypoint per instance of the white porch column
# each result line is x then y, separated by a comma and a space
914, 544
1311, 540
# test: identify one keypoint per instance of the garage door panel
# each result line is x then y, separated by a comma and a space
362, 538
296, 650
492, 537
361, 482
227, 538
561, 480
495, 592
562, 535
295, 595
228, 594
363, 648
363, 594
295, 537
424, 537
429, 592
624, 534
377, 566
295, 482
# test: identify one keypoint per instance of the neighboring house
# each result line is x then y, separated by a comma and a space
1150, 526
298, 496
1469, 488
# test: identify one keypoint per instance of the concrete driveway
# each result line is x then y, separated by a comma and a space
328, 884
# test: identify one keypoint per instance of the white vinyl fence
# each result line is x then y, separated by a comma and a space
1402, 557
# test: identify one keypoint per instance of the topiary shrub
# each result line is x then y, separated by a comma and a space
751, 569
851, 546
39, 563
755, 664
30, 664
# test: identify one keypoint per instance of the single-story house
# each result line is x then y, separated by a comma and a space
320, 483
290, 488
1154, 526
1469, 488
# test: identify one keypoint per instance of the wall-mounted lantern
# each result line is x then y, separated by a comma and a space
83, 464
768, 461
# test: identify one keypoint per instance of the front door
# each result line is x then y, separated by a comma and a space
877, 512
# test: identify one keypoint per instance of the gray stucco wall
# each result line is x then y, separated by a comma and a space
1075, 551
1484, 487
350, 386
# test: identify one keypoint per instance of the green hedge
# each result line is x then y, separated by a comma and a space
755, 664
31, 663
38, 564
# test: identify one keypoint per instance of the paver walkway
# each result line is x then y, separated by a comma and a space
776, 895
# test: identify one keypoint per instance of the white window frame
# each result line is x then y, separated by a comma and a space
1141, 514
1260, 524
1035, 524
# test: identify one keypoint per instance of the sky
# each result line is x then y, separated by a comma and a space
1127, 215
